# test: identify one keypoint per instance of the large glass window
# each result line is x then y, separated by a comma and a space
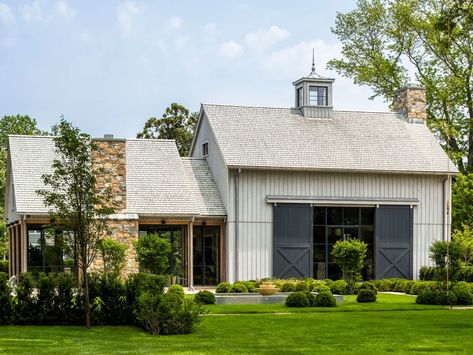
47, 251
340, 223
178, 255
318, 96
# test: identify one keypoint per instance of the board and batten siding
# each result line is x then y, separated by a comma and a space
255, 214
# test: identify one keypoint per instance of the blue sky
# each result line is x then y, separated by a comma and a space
108, 66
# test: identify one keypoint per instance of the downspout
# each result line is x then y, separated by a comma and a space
444, 208
447, 187
237, 221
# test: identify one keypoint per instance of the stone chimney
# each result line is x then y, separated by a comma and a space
110, 160
411, 101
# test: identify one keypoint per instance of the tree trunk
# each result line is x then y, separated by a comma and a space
86, 295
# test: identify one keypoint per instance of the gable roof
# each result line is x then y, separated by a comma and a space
158, 180
281, 138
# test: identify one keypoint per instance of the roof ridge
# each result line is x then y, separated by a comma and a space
251, 106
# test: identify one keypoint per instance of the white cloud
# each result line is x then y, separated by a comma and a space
64, 10
126, 13
6, 16
231, 49
174, 23
32, 12
263, 39
298, 58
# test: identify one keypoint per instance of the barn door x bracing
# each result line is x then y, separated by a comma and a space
394, 242
292, 238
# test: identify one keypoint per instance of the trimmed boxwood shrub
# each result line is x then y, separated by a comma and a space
311, 298
297, 299
366, 295
436, 297
223, 287
238, 287
177, 290
325, 299
250, 286
419, 286
321, 287
368, 286
204, 297
463, 293
288, 286
302, 286
339, 287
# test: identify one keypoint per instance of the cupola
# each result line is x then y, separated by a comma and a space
313, 95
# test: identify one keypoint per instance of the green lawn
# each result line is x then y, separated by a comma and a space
390, 328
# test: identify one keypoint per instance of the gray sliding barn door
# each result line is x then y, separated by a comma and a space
394, 242
292, 241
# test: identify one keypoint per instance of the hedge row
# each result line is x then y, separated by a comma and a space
431, 273
54, 299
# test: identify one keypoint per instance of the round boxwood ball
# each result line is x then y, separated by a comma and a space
369, 286
223, 287
325, 299
204, 297
366, 295
176, 290
297, 299
238, 287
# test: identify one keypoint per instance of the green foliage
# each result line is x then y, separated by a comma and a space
168, 314
340, 287
368, 286
223, 287
176, 123
384, 40
446, 256
366, 295
25, 308
438, 297
464, 237
428, 273
466, 274
6, 300
77, 207
204, 297
137, 284
302, 286
250, 286
177, 290
350, 256
113, 256
311, 298
4, 265
297, 299
238, 287
419, 286
325, 299
462, 202
288, 286
463, 293
152, 253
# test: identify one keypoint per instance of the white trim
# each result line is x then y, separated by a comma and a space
337, 201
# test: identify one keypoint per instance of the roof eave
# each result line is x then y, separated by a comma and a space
366, 171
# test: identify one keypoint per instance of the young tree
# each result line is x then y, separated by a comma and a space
113, 256
350, 255
176, 123
447, 257
464, 237
462, 202
385, 40
77, 207
152, 253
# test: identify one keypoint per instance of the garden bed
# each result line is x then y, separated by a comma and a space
254, 298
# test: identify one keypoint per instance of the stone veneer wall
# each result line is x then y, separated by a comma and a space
412, 102
110, 159
125, 231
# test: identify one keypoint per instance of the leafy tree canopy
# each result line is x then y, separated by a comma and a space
384, 41
176, 123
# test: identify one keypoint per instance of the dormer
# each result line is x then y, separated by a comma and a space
313, 95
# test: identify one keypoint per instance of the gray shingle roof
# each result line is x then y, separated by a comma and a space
281, 138
31, 157
158, 181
